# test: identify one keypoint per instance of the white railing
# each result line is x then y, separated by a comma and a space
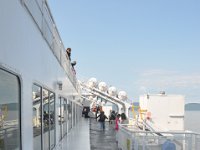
131, 139
41, 14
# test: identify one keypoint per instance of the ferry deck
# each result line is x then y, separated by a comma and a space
40, 106
88, 135
28, 30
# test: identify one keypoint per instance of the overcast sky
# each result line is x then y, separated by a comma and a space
143, 46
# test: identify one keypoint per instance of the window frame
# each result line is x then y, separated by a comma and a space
42, 109
19, 79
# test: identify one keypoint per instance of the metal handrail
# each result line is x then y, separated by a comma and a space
139, 139
162, 132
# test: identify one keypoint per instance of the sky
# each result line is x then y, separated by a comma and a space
143, 46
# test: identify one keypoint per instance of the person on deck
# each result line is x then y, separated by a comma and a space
112, 117
102, 117
124, 119
68, 53
97, 111
117, 127
117, 122
73, 69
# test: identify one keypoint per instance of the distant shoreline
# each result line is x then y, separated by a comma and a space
188, 106
192, 107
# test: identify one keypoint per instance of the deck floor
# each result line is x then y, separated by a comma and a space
102, 139
78, 138
87, 135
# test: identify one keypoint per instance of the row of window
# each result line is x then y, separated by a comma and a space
43, 118
44, 115
44, 123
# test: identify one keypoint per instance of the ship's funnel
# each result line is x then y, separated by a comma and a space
103, 87
122, 95
92, 82
112, 91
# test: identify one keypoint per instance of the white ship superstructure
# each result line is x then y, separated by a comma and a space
39, 93
41, 99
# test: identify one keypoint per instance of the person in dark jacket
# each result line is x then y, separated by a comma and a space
102, 117
73, 69
124, 119
97, 111
112, 117
68, 51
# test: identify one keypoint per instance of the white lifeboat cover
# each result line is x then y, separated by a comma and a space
103, 87
122, 95
92, 82
112, 91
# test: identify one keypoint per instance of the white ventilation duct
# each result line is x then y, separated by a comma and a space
122, 95
103, 87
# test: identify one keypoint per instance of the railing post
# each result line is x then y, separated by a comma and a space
5, 140
143, 143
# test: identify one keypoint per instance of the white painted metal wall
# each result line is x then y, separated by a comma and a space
26, 52
167, 111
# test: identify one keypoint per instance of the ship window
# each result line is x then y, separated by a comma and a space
9, 111
64, 114
37, 122
43, 118
69, 114
62, 118
46, 119
78, 112
52, 119
74, 114
59, 119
